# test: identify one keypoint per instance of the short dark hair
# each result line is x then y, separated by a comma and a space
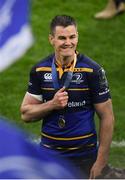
61, 20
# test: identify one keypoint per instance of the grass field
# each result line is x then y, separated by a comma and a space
103, 41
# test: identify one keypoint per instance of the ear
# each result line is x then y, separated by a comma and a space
51, 39
77, 34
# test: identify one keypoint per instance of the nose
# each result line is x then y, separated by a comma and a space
67, 41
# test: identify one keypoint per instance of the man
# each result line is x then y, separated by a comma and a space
65, 89
113, 8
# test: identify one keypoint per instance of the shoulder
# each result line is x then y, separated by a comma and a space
94, 71
43, 63
87, 62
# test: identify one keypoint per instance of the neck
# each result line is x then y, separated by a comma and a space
64, 61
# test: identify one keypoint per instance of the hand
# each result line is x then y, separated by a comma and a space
60, 99
96, 170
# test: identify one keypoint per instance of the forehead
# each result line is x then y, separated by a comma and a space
65, 31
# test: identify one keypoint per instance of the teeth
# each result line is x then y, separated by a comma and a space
67, 47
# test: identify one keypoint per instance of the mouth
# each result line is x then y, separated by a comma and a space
67, 47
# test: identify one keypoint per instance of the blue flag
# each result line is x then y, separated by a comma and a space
22, 159
15, 31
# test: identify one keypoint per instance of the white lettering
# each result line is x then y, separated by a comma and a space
76, 104
104, 92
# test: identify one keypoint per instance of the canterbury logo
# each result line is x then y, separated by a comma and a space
48, 76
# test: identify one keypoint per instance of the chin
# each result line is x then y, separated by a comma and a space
67, 54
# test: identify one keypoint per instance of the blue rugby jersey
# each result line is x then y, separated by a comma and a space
87, 87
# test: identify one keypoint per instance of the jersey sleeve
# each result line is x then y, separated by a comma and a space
34, 86
99, 87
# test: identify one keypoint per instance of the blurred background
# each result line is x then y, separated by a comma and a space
102, 40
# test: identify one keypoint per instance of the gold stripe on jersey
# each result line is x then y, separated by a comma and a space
49, 89
43, 69
65, 70
46, 69
80, 89
83, 70
67, 138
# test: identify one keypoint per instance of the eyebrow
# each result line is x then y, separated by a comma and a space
63, 37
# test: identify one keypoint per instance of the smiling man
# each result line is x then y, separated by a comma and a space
65, 90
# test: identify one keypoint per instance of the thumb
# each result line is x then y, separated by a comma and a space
91, 176
62, 89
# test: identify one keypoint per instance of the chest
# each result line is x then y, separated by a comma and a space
78, 86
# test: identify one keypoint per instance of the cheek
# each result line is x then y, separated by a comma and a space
76, 41
57, 44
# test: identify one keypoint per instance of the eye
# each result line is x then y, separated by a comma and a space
61, 37
72, 36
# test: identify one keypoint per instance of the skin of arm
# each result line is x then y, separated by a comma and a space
105, 113
33, 109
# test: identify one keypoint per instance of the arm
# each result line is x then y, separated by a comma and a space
105, 113
33, 109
